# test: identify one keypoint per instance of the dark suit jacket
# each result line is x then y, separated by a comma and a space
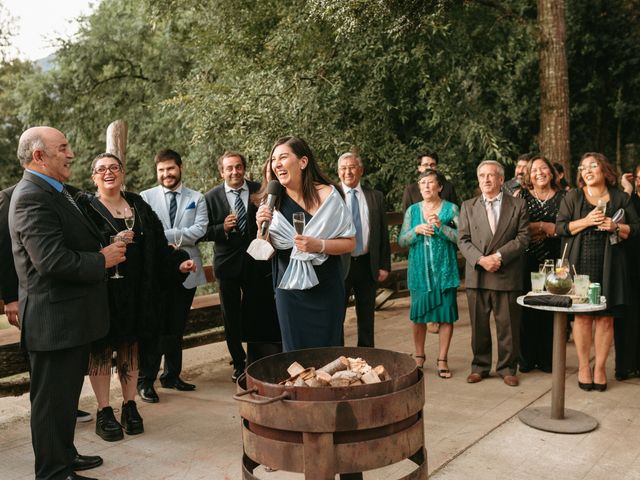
62, 277
379, 247
412, 194
510, 239
230, 251
8, 276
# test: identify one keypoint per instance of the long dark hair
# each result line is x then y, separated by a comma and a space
311, 174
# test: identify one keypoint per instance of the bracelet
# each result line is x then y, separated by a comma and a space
322, 249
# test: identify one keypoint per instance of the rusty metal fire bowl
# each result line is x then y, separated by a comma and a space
326, 431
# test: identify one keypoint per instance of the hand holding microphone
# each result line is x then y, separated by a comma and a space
265, 212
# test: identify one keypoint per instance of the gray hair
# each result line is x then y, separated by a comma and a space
346, 155
498, 166
30, 141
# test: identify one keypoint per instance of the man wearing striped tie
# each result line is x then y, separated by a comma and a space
244, 285
183, 214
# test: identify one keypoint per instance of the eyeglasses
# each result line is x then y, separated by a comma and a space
591, 166
101, 170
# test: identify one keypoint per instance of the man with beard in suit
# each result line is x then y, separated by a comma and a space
493, 234
62, 270
183, 214
371, 260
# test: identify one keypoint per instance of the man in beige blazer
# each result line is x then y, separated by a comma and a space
493, 235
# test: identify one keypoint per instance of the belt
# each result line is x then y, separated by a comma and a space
364, 256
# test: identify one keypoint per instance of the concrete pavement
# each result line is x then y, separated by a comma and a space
472, 431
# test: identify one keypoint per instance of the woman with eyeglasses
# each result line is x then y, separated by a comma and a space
585, 223
136, 294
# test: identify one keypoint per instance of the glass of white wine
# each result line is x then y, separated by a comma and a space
298, 222
130, 219
113, 239
177, 238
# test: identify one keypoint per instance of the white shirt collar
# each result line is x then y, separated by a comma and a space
497, 198
346, 189
178, 189
228, 189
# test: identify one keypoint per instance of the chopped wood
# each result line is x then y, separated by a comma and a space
342, 372
294, 369
370, 377
338, 364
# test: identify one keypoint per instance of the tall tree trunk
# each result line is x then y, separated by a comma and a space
554, 83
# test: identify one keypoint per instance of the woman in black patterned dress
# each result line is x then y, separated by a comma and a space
543, 195
586, 231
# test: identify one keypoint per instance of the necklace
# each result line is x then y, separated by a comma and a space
542, 202
602, 194
108, 204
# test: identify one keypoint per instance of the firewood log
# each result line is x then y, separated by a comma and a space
370, 377
294, 369
338, 364
382, 373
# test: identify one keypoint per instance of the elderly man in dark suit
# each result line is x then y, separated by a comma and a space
493, 235
62, 269
371, 260
244, 284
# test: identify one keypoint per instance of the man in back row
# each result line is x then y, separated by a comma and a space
62, 271
411, 195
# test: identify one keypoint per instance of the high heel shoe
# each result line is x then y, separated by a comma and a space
587, 387
421, 364
599, 387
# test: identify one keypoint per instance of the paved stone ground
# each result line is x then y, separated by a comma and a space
472, 431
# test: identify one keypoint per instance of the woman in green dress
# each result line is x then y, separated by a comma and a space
430, 230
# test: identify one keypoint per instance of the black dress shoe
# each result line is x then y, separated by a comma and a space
148, 394
86, 462
75, 476
178, 385
107, 427
130, 419
236, 374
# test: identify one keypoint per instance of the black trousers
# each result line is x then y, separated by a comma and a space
230, 291
56, 383
364, 288
150, 360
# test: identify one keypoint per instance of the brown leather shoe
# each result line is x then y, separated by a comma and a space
511, 380
474, 377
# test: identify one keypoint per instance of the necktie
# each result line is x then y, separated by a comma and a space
355, 213
241, 213
173, 207
68, 196
491, 215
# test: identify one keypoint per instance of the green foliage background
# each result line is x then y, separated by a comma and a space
389, 78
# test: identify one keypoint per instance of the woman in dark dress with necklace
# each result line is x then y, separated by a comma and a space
586, 231
307, 268
543, 195
136, 305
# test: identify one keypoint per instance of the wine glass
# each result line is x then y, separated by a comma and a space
601, 206
114, 239
234, 212
129, 219
177, 237
298, 222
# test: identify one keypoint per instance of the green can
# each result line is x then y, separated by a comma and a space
594, 293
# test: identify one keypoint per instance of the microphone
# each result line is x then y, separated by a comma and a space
273, 191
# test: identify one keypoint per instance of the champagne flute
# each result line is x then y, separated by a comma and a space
298, 222
114, 239
601, 206
129, 220
177, 237
234, 212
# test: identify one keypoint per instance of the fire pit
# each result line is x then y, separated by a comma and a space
326, 431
